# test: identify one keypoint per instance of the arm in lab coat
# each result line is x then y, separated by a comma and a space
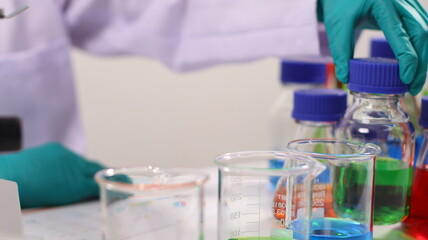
189, 34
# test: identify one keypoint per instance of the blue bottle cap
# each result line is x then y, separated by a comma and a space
423, 120
321, 105
380, 48
303, 72
375, 75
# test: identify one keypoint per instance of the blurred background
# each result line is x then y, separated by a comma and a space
135, 111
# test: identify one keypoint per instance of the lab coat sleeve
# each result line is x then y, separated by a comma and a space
192, 34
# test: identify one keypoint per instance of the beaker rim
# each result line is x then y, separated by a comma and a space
198, 178
365, 150
309, 164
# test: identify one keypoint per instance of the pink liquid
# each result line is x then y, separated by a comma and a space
416, 223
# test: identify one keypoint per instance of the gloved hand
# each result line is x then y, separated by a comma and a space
404, 23
50, 175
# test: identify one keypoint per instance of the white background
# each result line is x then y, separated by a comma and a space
137, 112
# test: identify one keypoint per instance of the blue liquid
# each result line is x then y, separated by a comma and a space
334, 229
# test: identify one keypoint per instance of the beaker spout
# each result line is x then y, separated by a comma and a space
372, 149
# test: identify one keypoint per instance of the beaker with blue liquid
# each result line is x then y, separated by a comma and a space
351, 175
251, 209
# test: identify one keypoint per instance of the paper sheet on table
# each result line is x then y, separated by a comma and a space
10, 218
76, 222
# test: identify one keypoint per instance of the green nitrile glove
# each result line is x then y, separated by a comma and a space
404, 23
50, 175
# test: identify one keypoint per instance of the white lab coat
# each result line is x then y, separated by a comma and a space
36, 78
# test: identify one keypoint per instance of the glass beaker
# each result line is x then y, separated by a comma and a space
251, 208
347, 195
149, 203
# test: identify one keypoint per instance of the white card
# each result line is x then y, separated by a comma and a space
11, 227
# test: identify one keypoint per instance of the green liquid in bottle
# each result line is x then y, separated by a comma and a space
393, 183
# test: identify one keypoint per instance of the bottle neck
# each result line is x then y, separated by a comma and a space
295, 85
313, 129
377, 107
377, 99
315, 123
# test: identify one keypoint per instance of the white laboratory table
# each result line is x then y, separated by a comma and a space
82, 221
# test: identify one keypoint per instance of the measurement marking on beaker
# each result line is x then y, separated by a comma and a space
250, 232
236, 197
253, 204
250, 178
251, 213
235, 215
253, 195
252, 222
236, 181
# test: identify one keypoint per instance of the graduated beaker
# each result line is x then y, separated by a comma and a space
150, 203
251, 208
346, 193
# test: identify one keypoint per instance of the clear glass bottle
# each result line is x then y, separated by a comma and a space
380, 48
377, 116
296, 73
417, 222
317, 112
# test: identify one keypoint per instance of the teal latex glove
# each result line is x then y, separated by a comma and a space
404, 23
50, 175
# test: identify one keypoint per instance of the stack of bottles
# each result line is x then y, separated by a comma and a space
295, 74
376, 115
